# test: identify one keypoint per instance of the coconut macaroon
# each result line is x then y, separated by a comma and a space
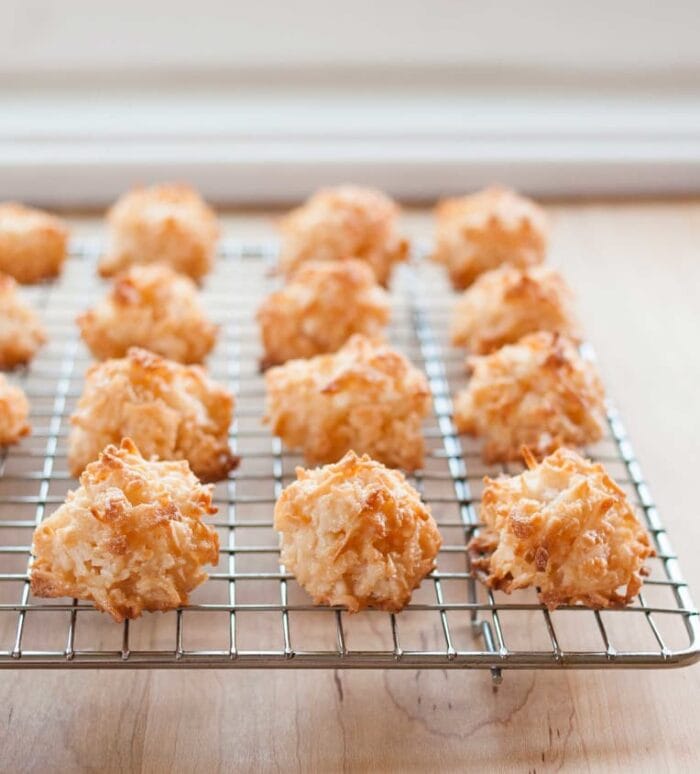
21, 332
130, 539
171, 411
482, 231
14, 413
365, 397
340, 223
539, 393
168, 223
505, 304
356, 534
33, 244
565, 527
320, 308
153, 307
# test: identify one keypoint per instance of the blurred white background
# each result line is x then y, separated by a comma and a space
262, 102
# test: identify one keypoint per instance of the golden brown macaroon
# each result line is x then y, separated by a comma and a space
356, 534
365, 397
482, 231
505, 304
21, 332
14, 413
320, 308
565, 527
341, 223
130, 539
33, 243
539, 393
153, 307
171, 411
162, 223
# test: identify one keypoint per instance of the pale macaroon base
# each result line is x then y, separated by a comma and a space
366, 397
130, 538
168, 223
21, 332
356, 534
505, 304
171, 411
565, 527
540, 393
153, 307
14, 413
341, 223
33, 243
317, 311
482, 231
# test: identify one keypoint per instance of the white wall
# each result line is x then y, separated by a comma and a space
133, 35
261, 101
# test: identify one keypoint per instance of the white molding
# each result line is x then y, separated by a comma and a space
63, 176
75, 148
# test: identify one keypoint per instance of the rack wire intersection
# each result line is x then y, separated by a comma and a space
253, 614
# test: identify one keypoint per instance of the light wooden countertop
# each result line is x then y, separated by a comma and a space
636, 269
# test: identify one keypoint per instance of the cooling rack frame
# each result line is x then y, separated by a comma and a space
475, 614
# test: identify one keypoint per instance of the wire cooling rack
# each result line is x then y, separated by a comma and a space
252, 614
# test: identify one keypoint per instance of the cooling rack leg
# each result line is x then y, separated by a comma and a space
487, 634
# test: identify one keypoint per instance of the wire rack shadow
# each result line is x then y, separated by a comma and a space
251, 613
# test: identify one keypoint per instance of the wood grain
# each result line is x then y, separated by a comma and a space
636, 268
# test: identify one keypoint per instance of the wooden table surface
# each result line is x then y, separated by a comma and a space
636, 269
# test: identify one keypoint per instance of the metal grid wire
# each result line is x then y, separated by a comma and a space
251, 612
